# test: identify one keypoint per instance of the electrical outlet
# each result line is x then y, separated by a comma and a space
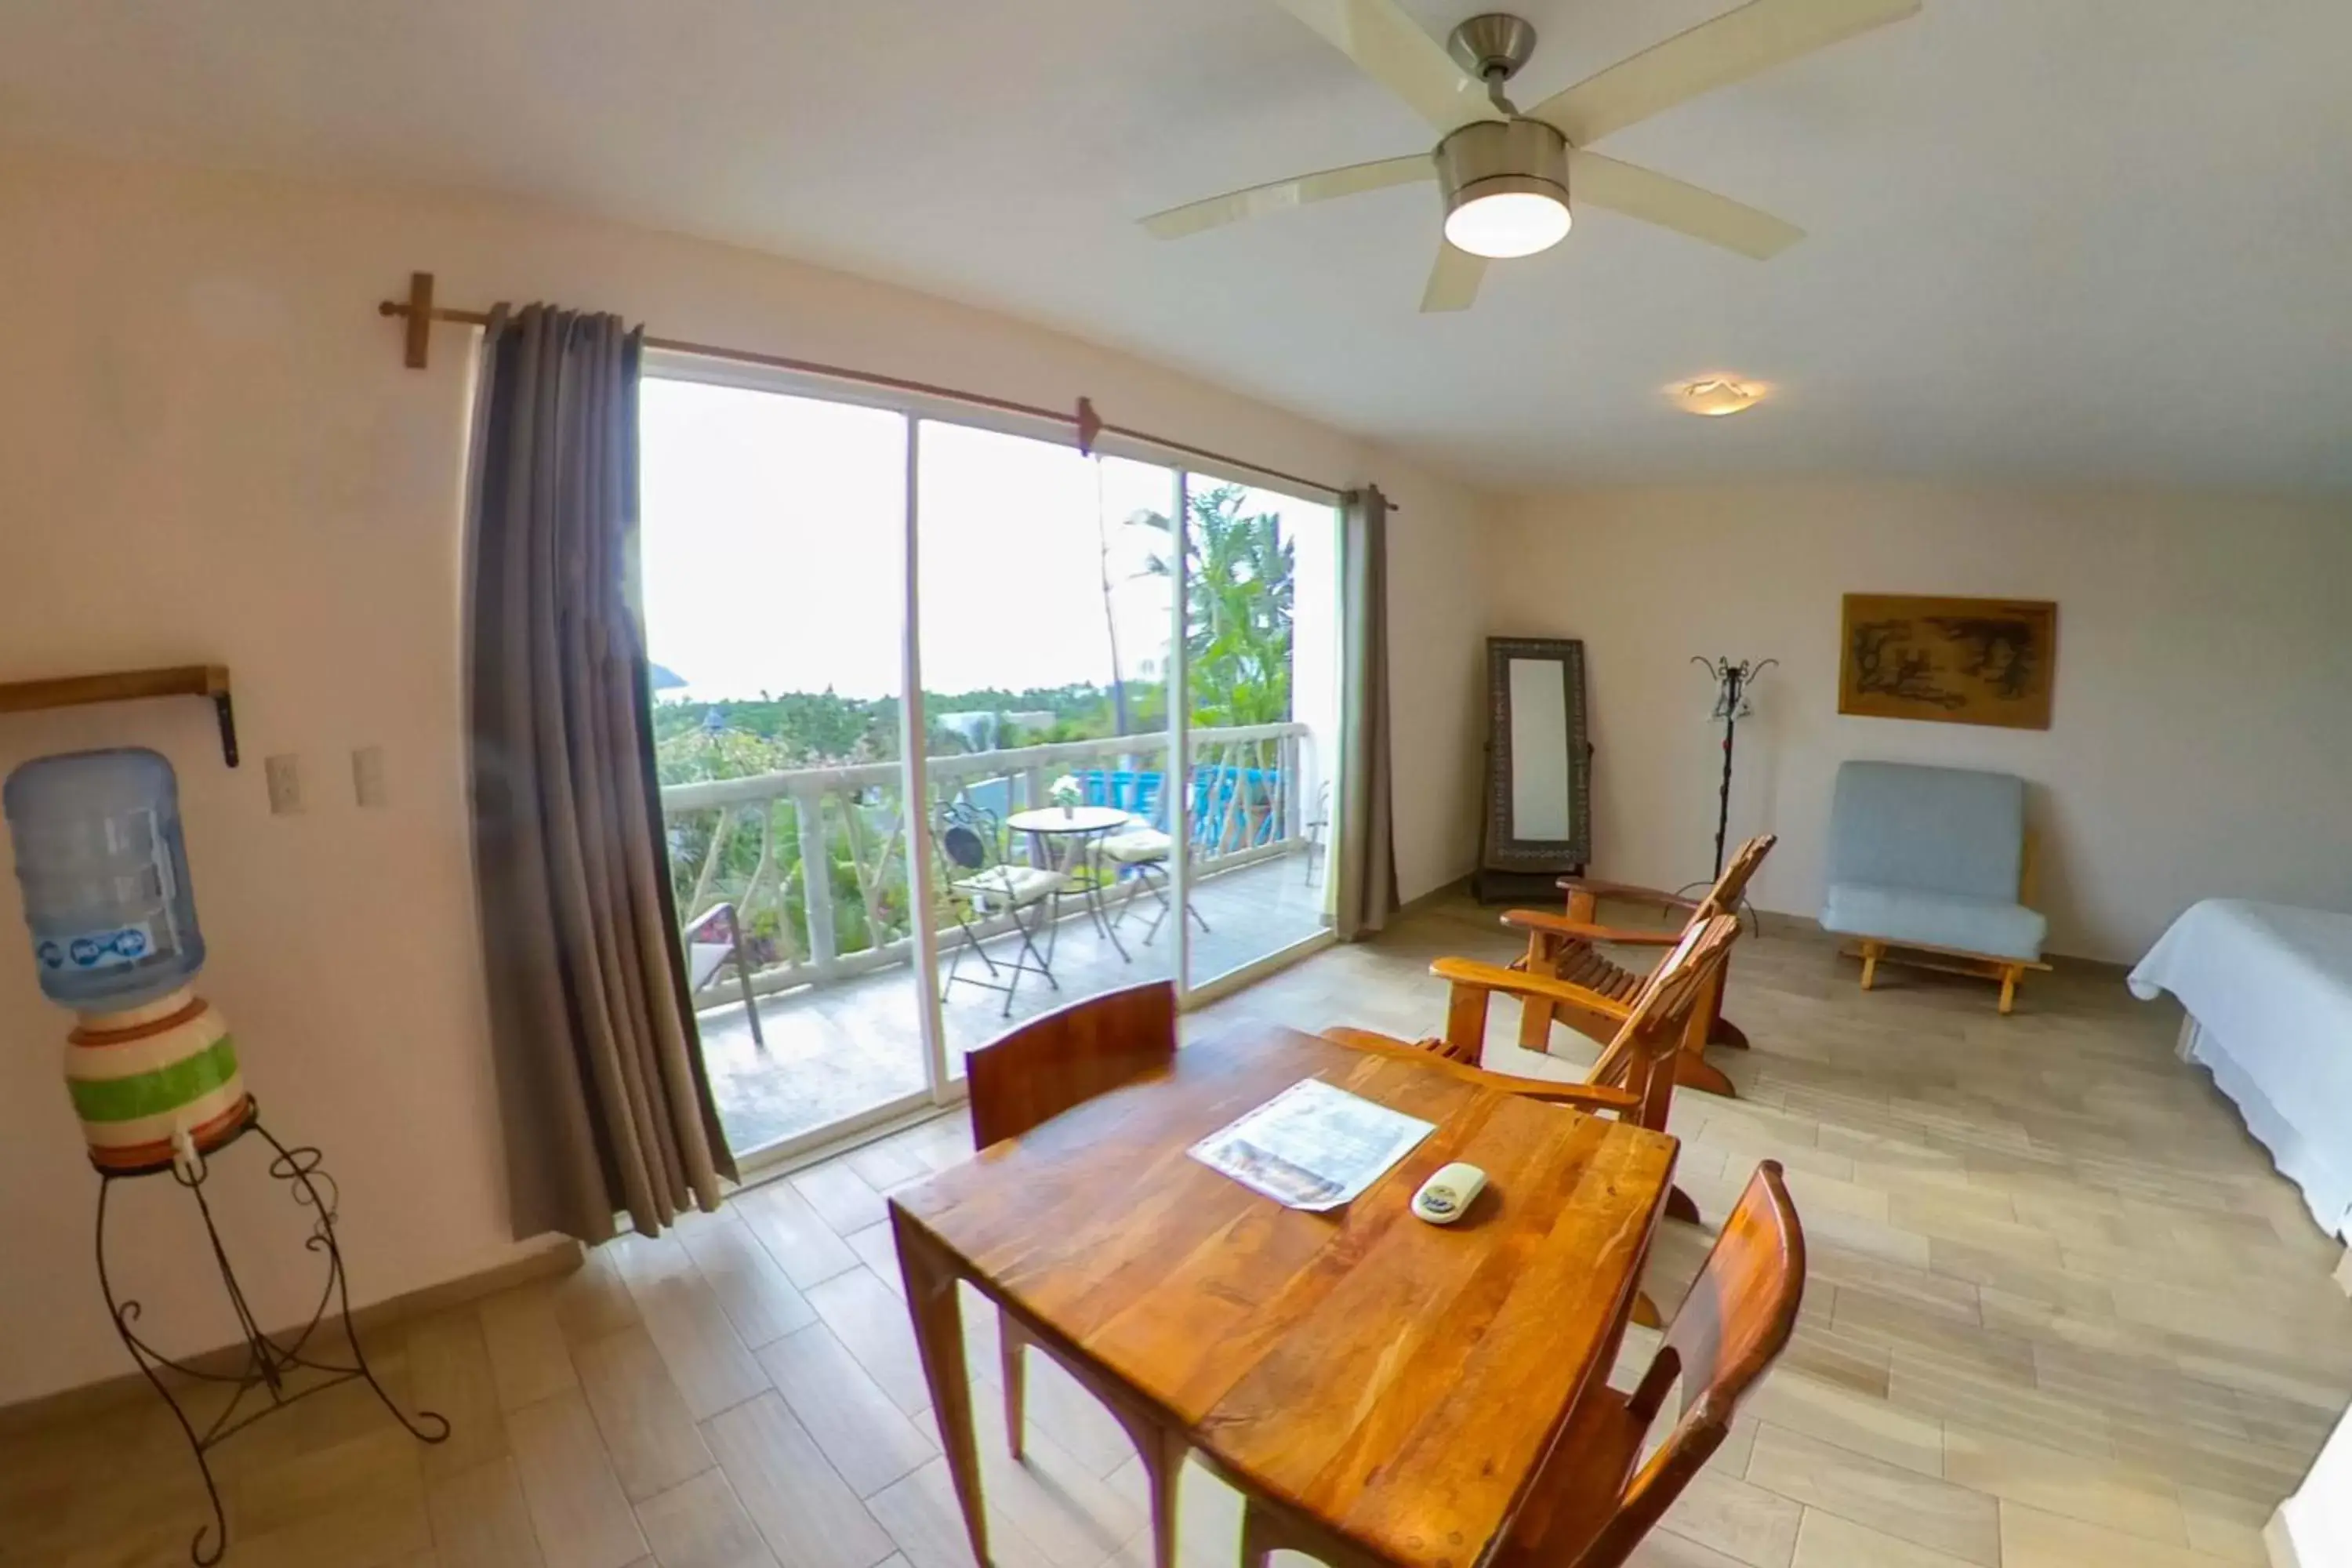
285, 785
367, 775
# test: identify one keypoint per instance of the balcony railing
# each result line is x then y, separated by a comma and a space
854, 917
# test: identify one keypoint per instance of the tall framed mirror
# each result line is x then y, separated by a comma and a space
1536, 819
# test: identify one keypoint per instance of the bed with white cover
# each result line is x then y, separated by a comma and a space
2268, 989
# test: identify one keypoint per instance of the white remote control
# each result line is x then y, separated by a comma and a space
1447, 1195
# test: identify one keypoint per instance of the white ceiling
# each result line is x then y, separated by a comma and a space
2064, 240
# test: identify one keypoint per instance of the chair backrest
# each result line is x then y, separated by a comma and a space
1642, 1056
969, 836
1723, 899
1944, 830
1731, 1327
1033, 1074
711, 938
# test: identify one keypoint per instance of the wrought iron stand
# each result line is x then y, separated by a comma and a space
272, 1362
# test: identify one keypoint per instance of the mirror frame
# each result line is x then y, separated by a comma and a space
1500, 847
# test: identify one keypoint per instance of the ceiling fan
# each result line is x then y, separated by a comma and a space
1505, 175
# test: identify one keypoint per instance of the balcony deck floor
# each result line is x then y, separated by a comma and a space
832, 1052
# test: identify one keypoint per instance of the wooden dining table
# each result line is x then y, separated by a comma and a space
1385, 1386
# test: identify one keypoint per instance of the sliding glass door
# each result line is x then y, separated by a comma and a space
775, 573
1044, 620
1261, 678
921, 691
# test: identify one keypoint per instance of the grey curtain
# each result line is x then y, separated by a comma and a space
601, 1082
1366, 882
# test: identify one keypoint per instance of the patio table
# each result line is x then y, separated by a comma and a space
1083, 827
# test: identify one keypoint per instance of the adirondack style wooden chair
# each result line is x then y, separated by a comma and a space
1634, 1080
1562, 947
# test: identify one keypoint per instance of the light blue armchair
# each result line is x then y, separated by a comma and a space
1936, 861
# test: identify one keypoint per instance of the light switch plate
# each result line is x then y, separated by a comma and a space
367, 775
285, 785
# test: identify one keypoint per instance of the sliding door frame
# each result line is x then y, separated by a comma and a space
943, 1088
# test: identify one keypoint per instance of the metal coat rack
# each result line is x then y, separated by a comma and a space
1732, 682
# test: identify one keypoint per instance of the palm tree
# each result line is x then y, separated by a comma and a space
1238, 589
1237, 641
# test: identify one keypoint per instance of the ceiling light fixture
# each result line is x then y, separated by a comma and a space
1506, 187
1717, 395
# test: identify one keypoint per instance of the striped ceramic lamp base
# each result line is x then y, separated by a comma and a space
150, 1080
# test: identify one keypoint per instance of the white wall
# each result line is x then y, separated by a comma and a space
1439, 615
2202, 734
211, 451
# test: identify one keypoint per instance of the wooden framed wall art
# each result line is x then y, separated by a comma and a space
1956, 661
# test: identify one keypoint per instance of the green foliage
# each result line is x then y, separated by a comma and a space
798, 730
1238, 642
1237, 615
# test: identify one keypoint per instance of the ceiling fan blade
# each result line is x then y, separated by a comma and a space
1734, 46
1454, 280
1390, 48
1639, 193
1281, 195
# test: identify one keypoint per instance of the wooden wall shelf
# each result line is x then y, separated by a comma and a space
129, 685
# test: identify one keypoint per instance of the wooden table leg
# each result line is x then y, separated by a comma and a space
931, 1277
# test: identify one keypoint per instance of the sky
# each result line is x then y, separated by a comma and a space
773, 533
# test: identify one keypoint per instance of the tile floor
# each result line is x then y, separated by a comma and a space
2060, 1313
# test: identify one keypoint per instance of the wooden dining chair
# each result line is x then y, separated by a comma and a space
1565, 947
1596, 1496
1024, 1079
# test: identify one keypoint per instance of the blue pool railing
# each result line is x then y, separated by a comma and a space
1224, 797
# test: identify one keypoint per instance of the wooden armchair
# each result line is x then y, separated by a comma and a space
1026, 1077
1634, 1077
1595, 1497
1433, 1053
1563, 948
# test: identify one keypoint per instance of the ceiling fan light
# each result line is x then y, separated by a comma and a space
1503, 224
1506, 187
1717, 395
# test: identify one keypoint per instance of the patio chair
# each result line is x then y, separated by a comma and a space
972, 842
713, 939
1140, 852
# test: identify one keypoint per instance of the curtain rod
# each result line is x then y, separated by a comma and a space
422, 312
